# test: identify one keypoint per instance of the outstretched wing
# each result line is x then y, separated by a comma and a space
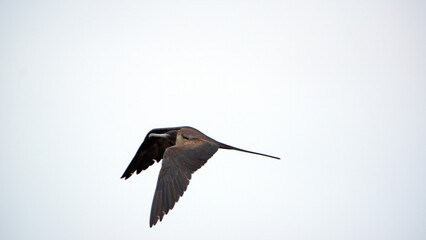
151, 149
178, 165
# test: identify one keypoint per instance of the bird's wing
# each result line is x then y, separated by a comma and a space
178, 164
151, 149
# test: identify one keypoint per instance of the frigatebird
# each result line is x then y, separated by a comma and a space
183, 150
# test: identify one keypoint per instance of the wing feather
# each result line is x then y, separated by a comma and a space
179, 163
151, 149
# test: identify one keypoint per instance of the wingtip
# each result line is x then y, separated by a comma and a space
126, 176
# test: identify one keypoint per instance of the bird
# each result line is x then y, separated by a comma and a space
184, 150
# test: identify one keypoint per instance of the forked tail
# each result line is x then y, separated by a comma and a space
224, 146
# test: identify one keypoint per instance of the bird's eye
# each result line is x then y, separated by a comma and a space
185, 137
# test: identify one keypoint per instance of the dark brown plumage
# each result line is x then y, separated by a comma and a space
183, 150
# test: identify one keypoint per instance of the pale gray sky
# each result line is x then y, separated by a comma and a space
335, 88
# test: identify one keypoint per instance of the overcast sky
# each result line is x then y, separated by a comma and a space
337, 89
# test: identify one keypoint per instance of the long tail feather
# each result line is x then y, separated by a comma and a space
224, 146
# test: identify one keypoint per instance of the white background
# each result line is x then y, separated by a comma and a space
335, 88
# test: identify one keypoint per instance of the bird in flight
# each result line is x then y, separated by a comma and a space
183, 150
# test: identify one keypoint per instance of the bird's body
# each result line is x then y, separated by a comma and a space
183, 150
